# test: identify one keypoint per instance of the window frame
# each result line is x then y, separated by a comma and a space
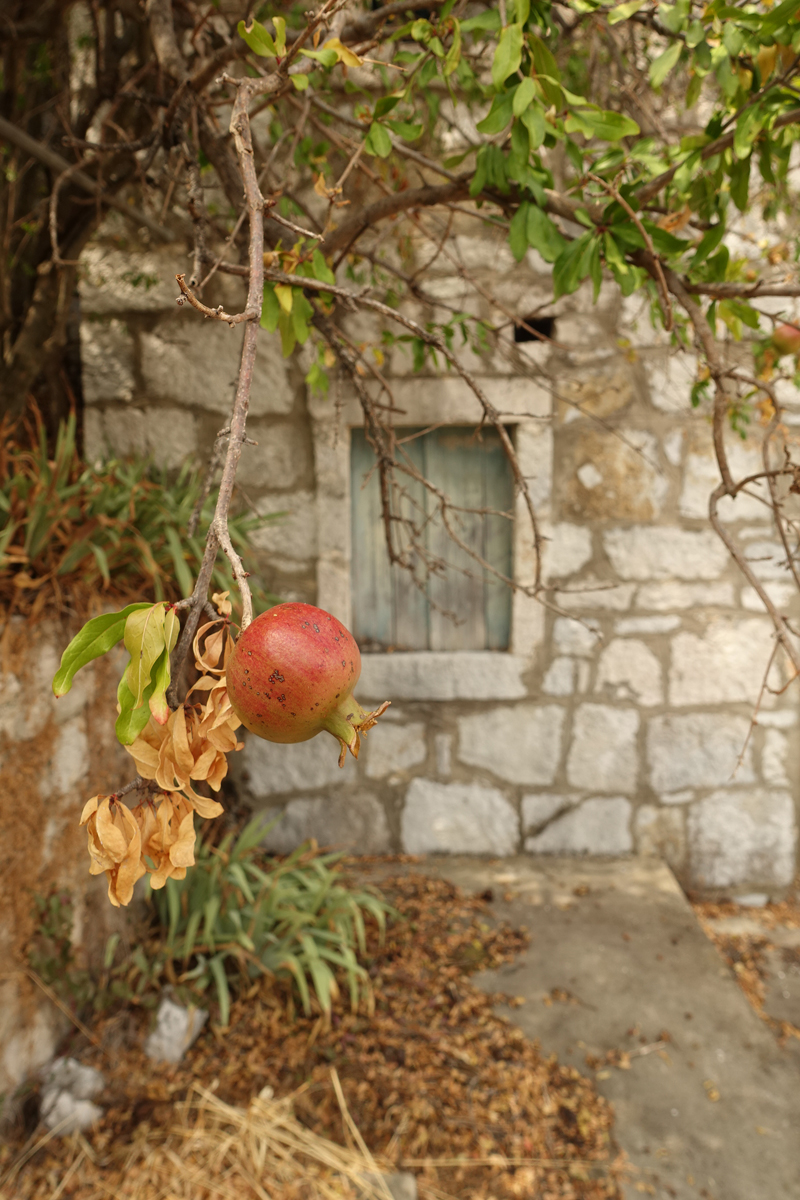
437, 674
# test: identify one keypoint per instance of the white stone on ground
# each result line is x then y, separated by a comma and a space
177, 1028
68, 1092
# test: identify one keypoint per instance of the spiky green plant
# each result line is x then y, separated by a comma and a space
237, 915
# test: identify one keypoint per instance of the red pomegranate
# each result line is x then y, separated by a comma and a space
292, 674
786, 339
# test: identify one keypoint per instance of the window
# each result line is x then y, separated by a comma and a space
462, 607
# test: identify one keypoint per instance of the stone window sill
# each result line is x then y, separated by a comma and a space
442, 675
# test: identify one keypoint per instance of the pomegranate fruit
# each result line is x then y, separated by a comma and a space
291, 675
786, 339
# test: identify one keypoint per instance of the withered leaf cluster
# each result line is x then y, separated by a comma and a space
157, 837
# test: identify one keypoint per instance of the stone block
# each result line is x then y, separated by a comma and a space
603, 756
457, 818
670, 379
742, 838
665, 552
701, 476
595, 593
443, 745
782, 594
191, 362
355, 822
521, 743
292, 536
106, 362
115, 281
282, 457
169, 435
673, 446
539, 808
697, 750
70, 760
598, 826
392, 748
661, 597
647, 625
628, 670
609, 476
560, 677
568, 549
177, 1028
661, 832
724, 664
605, 390
774, 756
768, 562
575, 637
274, 768
438, 675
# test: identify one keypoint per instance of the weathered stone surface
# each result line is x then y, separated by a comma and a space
521, 743
575, 637
661, 832
391, 748
190, 362
742, 838
177, 1028
560, 677
539, 808
768, 560
603, 752
274, 768
436, 675
598, 393
443, 745
725, 664
701, 476
70, 760
107, 351
113, 281
168, 434
661, 597
673, 446
697, 750
568, 549
292, 536
598, 826
647, 624
353, 821
601, 476
457, 818
68, 1092
781, 593
664, 552
670, 378
774, 756
628, 670
281, 458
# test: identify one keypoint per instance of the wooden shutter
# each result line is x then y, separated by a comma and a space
390, 612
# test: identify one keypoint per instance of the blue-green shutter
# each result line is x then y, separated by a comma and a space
390, 610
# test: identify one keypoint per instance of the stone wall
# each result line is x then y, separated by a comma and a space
51, 754
616, 721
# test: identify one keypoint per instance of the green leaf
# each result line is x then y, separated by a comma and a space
270, 309
300, 82
258, 39
144, 641
453, 56
182, 572
302, 312
498, 115
508, 54
406, 130
385, 105
740, 182
611, 126
747, 129
614, 256
326, 58
216, 966
596, 270
322, 271
661, 66
546, 69
378, 141
488, 21
518, 232
97, 637
280, 34
161, 671
523, 96
568, 268
132, 720
623, 11
708, 243
533, 120
543, 234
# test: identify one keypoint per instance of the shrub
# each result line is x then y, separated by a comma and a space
237, 916
113, 528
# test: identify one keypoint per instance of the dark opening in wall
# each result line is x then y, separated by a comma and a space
544, 325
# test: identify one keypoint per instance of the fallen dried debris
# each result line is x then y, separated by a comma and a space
435, 1081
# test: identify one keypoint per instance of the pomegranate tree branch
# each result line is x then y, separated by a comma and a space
216, 314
